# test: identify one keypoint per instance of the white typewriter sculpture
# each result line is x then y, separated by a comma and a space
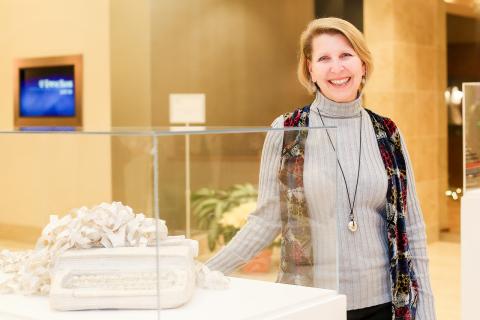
106, 258
126, 278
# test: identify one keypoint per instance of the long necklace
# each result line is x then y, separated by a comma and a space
352, 224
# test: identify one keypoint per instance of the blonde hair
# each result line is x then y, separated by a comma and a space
331, 26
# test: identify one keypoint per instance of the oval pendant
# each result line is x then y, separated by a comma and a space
352, 226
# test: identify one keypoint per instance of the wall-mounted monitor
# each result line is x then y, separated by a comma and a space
48, 91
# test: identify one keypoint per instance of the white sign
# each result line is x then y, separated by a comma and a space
187, 128
187, 108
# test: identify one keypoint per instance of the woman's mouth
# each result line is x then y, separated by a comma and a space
340, 82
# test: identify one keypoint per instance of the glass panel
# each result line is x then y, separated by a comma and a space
77, 178
205, 184
471, 112
233, 181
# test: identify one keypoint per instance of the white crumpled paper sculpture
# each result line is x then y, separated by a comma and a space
106, 225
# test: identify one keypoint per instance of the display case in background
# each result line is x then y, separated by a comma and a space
470, 203
203, 182
471, 120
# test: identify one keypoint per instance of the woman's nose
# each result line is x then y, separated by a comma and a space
336, 66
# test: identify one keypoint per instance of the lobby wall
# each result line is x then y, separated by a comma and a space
242, 54
130, 78
44, 175
408, 42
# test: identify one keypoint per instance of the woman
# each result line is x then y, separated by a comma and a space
383, 264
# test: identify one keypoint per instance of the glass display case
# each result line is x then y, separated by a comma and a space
113, 221
470, 202
471, 115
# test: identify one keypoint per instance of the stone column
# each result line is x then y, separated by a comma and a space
408, 42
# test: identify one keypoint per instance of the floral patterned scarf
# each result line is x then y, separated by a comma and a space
296, 265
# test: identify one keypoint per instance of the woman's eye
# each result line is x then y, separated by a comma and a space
323, 58
346, 55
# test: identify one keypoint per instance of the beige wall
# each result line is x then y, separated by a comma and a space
130, 75
242, 54
52, 174
55, 27
408, 41
130, 45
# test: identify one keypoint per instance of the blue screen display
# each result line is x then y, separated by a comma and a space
47, 92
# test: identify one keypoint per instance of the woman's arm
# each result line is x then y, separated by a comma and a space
264, 224
418, 244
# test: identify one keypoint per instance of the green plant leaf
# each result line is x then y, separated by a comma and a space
205, 216
228, 233
204, 192
204, 204
219, 210
209, 206
213, 234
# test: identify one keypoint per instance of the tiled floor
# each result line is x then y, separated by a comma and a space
444, 273
445, 278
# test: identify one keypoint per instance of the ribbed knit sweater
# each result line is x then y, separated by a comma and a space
362, 256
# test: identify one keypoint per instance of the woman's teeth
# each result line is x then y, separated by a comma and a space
339, 82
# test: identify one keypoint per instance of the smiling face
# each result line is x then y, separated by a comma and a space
335, 67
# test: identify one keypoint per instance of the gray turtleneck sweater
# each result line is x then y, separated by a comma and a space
363, 267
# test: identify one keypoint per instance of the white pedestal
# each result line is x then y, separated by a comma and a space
470, 249
245, 299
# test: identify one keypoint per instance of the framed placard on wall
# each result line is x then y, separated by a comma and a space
48, 91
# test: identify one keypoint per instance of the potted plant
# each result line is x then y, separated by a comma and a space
209, 207
223, 213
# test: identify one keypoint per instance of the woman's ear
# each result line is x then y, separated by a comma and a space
364, 69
